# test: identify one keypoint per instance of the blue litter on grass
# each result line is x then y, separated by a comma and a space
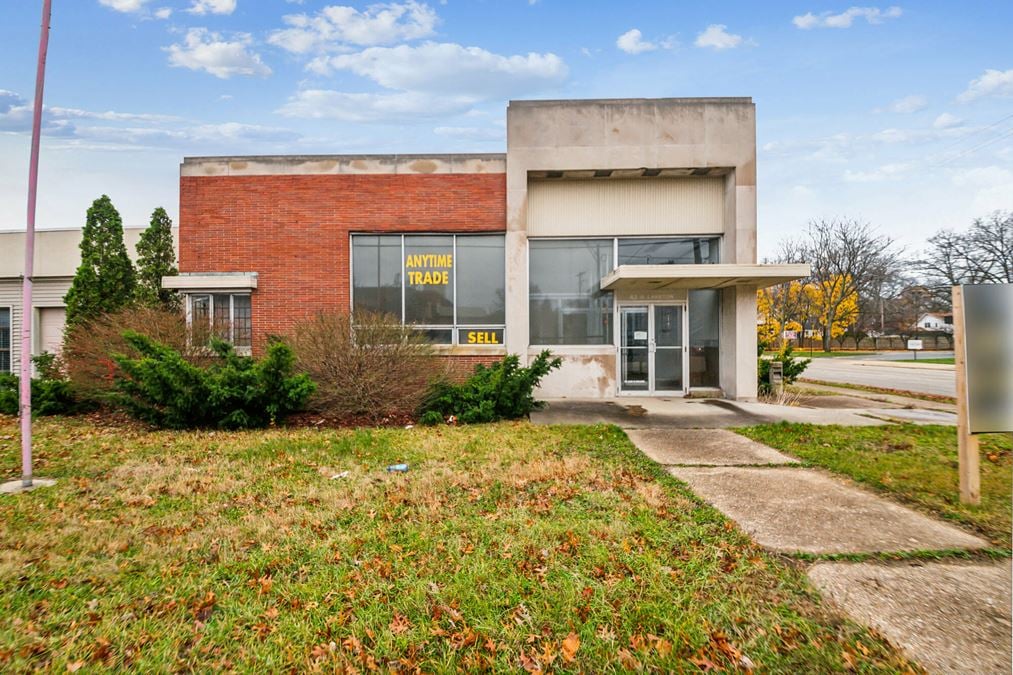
397, 468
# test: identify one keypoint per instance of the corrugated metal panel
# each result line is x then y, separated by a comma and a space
625, 206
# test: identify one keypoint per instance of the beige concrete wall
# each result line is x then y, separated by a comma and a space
57, 252
625, 206
625, 135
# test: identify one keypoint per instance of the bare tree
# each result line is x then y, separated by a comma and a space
847, 258
981, 255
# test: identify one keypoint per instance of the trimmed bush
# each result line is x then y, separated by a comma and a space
792, 368
49, 396
502, 391
374, 371
235, 392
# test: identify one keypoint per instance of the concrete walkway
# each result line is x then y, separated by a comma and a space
949, 617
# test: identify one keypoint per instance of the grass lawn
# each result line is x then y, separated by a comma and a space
949, 361
505, 547
915, 464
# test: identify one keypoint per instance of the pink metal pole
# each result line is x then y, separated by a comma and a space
26, 286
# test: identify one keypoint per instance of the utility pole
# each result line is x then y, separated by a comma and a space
26, 285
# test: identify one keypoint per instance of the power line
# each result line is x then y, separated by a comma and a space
1009, 132
964, 139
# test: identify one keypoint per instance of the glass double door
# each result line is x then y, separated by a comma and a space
652, 349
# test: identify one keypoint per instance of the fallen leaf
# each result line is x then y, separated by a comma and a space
570, 646
400, 624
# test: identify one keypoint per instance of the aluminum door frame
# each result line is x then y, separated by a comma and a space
651, 347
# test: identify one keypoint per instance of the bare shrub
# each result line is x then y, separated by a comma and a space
88, 346
375, 371
786, 397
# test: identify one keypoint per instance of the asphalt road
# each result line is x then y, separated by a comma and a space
849, 371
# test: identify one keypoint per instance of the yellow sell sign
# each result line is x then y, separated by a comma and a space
482, 337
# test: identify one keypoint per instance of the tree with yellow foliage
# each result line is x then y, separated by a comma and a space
833, 303
781, 308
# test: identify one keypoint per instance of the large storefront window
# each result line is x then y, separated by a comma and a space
656, 251
5, 339
567, 306
452, 287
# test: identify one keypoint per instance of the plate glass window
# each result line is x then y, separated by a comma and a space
566, 303
657, 251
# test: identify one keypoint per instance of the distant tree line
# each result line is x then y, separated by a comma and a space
864, 285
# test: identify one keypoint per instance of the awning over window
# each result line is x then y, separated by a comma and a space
657, 277
211, 281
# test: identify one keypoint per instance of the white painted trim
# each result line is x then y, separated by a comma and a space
226, 282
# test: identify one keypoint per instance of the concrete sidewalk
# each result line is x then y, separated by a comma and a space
652, 413
688, 413
948, 617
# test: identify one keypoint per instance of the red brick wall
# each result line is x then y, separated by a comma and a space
293, 230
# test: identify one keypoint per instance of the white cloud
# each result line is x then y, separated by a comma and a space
363, 107
992, 187
884, 172
448, 68
115, 130
632, 42
845, 19
163, 13
124, 5
947, 121
212, 7
716, 37
212, 53
336, 26
908, 104
991, 83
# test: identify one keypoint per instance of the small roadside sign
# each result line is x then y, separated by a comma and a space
914, 345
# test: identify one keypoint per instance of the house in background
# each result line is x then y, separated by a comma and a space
620, 234
935, 322
57, 255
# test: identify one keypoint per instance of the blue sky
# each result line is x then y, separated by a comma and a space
901, 115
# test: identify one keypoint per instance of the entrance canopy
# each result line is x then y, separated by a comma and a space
658, 277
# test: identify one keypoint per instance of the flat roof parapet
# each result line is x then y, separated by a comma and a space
579, 102
261, 165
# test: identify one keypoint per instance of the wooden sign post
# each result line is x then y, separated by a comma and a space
967, 443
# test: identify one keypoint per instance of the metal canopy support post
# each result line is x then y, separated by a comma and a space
26, 285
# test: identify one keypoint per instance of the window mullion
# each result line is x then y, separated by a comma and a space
403, 281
